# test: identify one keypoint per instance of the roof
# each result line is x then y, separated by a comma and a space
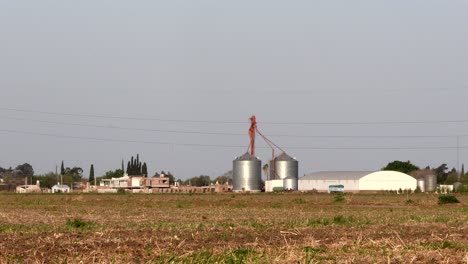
61, 186
284, 157
247, 156
336, 175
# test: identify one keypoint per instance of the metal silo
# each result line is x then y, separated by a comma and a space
290, 184
285, 167
247, 173
430, 183
421, 184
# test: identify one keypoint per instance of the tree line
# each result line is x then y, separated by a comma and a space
442, 172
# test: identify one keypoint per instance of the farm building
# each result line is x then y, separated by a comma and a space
29, 188
60, 188
356, 181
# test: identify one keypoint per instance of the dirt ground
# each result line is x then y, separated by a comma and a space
232, 228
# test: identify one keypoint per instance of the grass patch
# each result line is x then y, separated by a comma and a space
78, 224
299, 201
448, 199
339, 198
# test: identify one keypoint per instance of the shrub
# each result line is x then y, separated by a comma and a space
77, 223
417, 190
446, 199
339, 197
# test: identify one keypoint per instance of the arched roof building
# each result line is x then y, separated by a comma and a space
355, 181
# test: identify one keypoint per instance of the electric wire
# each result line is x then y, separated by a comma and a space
239, 122
222, 133
222, 146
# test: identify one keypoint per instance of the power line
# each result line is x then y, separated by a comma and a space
240, 122
223, 146
122, 117
224, 133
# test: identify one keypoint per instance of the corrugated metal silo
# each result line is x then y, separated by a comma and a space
285, 167
247, 174
290, 184
430, 183
421, 184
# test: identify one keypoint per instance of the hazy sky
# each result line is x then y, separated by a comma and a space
284, 61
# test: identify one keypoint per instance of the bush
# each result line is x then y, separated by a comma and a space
77, 223
339, 197
462, 188
446, 199
417, 190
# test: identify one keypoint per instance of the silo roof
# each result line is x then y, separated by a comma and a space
246, 156
284, 157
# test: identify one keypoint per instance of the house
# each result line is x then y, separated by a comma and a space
28, 188
60, 188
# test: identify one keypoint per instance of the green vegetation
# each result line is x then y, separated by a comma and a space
447, 199
401, 166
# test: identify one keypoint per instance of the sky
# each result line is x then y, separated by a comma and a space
73, 74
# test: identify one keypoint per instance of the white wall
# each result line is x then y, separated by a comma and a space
322, 185
387, 180
269, 185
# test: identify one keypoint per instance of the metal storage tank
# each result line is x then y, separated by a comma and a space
247, 174
430, 184
456, 185
285, 167
290, 184
421, 184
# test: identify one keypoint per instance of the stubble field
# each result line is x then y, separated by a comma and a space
232, 228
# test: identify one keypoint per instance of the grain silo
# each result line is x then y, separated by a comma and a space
430, 183
421, 184
286, 168
247, 173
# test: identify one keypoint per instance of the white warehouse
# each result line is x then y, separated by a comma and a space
356, 181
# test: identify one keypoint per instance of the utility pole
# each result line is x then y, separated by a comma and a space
458, 156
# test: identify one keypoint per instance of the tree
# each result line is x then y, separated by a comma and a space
110, 174
452, 177
24, 170
46, 180
62, 169
202, 180
171, 177
401, 166
134, 166
144, 170
462, 172
441, 173
91, 173
265, 170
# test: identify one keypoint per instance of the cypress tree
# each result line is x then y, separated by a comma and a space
462, 172
144, 170
128, 168
91, 173
62, 169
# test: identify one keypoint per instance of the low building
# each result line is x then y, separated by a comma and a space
134, 183
357, 181
60, 188
29, 188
